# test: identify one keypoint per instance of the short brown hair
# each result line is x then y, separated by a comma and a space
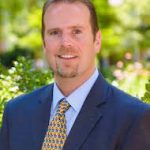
93, 17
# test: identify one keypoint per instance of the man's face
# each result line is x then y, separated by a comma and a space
69, 44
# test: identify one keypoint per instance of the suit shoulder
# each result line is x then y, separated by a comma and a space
127, 102
32, 97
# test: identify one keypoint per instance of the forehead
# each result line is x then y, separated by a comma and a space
65, 13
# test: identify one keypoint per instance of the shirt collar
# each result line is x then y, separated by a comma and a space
77, 97
57, 96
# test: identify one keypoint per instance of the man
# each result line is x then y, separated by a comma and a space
98, 116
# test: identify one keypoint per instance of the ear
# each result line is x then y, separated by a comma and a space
97, 42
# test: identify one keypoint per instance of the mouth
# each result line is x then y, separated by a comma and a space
67, 57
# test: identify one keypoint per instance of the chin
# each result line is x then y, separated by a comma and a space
66, 75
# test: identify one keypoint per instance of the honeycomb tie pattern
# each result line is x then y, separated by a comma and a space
56, 134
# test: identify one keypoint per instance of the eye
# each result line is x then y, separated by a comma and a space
77, 31
53, 33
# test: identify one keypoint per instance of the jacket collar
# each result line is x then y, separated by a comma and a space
41, 114
89, 115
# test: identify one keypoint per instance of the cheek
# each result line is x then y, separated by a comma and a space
89, 55
49, 53
50, 48
50, 44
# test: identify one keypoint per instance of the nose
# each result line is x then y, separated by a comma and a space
66, 40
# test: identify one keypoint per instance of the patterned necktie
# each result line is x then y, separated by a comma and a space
56, 133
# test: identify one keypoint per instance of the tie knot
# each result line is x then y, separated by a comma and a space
63, 107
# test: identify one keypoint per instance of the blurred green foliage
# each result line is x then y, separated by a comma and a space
146, 97
8, 57
20, 27
127, 75
125, 26
131, 78
20, 79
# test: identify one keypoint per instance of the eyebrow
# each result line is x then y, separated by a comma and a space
77, 26
71, 27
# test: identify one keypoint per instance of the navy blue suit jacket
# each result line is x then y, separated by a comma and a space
108, 120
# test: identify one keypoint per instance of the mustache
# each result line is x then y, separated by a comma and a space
68, 49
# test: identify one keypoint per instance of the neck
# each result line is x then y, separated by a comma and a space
68, 85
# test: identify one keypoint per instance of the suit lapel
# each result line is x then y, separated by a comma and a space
41, 115
89, 115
